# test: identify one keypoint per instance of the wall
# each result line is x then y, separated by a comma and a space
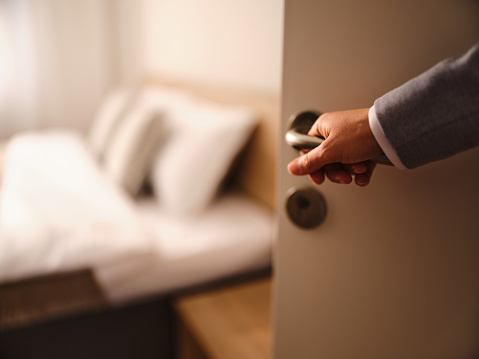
78, 50
225, 42
55, 63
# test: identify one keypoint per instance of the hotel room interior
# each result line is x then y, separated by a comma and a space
140, 206
137, 174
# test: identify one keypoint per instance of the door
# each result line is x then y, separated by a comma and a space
393, 271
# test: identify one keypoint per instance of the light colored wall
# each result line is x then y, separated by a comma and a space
225, 42
81, 49
55, 62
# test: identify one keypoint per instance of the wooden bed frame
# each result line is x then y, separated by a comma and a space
102, 331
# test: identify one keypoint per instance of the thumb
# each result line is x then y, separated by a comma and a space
308, 163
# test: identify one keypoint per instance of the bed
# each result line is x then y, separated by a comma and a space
145, 213
182, 195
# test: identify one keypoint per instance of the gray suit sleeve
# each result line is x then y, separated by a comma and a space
436, 114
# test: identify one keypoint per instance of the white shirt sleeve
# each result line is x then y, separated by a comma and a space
383, 142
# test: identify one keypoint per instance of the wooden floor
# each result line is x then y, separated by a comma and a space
226, 323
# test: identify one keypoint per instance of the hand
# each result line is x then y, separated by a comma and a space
345, 153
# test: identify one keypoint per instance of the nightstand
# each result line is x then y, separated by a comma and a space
229, 323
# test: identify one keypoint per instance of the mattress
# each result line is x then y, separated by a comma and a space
58, 212
233, 236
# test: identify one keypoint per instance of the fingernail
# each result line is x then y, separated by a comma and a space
363, 182
343, 180
360, 168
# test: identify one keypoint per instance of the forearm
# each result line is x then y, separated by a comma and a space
433, 116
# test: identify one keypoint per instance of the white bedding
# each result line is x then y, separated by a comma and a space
234, 235
58, 212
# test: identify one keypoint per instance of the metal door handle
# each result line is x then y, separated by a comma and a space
298, 138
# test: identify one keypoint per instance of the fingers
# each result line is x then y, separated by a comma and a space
317, 177
321, 126
356, 168
363, 179
337, 173
344, 174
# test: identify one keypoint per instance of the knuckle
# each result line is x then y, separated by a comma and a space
328, 153
318, 124
308, 162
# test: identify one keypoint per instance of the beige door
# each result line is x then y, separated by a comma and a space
393, 271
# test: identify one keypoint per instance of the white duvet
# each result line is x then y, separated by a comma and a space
59, 212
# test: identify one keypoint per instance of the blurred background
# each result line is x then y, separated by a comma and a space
66, 218
58, 58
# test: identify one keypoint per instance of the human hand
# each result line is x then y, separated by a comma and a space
345, 153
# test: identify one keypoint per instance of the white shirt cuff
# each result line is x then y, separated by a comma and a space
383, 142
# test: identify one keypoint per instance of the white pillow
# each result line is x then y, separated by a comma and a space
134, 143
110, 111
128, 129
189, 169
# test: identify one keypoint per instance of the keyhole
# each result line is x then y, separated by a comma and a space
303, 203
305, 207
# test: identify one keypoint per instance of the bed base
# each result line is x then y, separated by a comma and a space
142, 329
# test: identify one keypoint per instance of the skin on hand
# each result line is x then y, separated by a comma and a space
345, 153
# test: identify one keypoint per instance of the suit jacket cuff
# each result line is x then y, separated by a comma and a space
382, 140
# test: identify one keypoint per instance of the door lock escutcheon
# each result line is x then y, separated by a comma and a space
306, 207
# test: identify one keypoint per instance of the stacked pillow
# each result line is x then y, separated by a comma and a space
206, 137
128, 129
108, 116
182, 144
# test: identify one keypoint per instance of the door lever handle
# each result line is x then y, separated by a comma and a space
298, 138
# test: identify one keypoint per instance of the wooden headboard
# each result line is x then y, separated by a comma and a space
257, 171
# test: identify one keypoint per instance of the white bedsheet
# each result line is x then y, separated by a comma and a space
59, 212
232, 236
